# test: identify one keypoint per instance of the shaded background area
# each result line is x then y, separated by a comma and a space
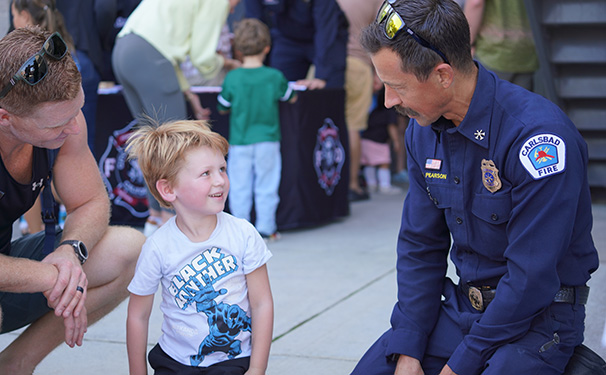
570, 36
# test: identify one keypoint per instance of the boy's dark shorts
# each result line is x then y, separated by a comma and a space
163, 364
21, 309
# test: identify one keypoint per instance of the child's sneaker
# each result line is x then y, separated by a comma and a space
271, 237
151, 225
401, 177
372, 188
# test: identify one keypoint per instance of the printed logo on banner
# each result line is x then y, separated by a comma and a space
329, 156
543, 155
122, 177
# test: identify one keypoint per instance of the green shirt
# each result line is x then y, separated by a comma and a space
505, 42
252, 95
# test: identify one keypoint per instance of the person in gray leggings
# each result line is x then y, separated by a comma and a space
156, 38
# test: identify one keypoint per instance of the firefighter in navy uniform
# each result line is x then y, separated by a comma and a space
305, 32
498, 180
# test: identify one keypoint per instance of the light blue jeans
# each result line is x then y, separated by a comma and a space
255, 171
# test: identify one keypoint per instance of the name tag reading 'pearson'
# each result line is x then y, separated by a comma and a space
543, 155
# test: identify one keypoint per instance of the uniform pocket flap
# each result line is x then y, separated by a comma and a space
493, 209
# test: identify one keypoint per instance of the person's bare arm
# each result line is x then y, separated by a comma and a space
137, 324
312, 84
392, 130
474, 11
200, 113
37, 276
262, 318
78, 184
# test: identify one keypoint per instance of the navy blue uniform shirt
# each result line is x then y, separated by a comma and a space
509, 186
320, 23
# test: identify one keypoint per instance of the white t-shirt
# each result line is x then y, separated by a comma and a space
204, 294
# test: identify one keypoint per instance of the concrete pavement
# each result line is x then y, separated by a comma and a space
334, 288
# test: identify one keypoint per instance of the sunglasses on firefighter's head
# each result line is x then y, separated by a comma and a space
35, 68
394, 23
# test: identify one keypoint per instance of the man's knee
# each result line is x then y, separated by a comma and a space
115, 255
521, 359
124, 241
374, 361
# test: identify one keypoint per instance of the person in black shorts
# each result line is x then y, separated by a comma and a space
42, 130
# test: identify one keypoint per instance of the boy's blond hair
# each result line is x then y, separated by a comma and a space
251, 36
160, 149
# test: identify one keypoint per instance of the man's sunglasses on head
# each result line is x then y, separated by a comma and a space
35, 68
394, 23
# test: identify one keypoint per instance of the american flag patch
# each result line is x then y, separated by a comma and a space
433, 164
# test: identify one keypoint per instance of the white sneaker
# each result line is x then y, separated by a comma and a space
151, 225
271, 237
401, 177
390, 190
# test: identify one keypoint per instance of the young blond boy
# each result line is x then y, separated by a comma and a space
216, 297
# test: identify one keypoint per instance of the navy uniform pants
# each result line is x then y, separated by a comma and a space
521, 357
293, 59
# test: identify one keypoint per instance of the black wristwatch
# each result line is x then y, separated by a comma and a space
79, 249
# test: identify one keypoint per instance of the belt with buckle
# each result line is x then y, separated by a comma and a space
481, 296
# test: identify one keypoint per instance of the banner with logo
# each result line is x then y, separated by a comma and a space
315, 167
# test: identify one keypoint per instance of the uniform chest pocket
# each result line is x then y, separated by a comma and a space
494, 209
440, 195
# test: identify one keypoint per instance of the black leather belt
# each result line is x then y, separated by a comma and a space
481, 296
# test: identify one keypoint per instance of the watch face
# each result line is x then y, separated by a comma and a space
83, 250
79, 249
